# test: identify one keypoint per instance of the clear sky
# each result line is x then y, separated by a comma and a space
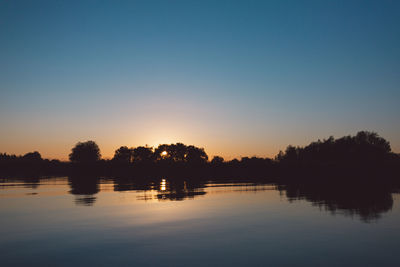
239, 78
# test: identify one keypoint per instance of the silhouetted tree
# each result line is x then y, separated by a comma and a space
6, 157
196, 155
143, 154
234, 162
123, 154
255, 161
373, 142
280, 156
32, 157
363, 146
292, 153
178, 152
85, 152
217, 160
158, 152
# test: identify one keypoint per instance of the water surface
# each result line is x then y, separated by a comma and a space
104, 222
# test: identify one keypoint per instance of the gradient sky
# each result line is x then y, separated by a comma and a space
239, 78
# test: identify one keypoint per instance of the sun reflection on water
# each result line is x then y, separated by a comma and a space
163, 185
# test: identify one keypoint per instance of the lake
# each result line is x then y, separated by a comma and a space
105, 222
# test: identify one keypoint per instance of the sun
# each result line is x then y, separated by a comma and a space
164, 153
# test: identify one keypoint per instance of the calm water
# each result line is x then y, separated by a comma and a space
62, 222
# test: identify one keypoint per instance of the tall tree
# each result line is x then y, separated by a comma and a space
143, 154
123, 154
196, 155
85, 152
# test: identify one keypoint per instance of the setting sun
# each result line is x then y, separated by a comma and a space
164, 153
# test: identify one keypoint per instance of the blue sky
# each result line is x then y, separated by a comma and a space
240, 78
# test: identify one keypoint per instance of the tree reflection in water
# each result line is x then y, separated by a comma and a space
84, 188
366, 199
180, 190
165, 189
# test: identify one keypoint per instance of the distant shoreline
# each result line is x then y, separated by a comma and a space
364, 155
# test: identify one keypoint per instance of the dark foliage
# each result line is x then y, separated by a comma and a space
217, 160
85, 152
143, 154
32, 157
123, 154
364, 153
365, 146
180, 153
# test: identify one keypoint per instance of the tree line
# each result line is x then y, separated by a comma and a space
364, 147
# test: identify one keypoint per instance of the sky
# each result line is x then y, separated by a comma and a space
239, 78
